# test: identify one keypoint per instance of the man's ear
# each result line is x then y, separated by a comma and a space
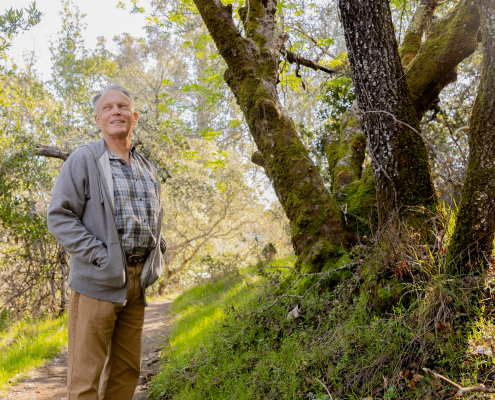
135, 118
97, 121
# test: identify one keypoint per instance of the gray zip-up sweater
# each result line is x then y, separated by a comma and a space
81, 216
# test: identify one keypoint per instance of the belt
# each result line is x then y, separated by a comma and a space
135, 259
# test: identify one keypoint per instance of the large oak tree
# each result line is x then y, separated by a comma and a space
395, 88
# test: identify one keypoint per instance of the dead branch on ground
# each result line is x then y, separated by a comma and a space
461, 390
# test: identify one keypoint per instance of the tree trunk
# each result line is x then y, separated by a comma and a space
253, 66
431, 66
346, 154
354, 188
472, 241
400, 161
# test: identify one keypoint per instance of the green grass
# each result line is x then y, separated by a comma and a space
220, 348
27, 344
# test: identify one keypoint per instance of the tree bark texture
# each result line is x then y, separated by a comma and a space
252, 74
472, 241
400, 161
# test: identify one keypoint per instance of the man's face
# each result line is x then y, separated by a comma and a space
115, 117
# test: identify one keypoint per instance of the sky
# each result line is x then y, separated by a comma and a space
103, 19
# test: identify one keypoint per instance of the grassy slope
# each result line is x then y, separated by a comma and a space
28, 344
223, 352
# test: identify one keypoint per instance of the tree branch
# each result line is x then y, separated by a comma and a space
414, 34
449, 41
461, 390
221, 26
51, 151
44, 151
257, 158
295, 58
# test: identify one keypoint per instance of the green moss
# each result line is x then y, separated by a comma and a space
361, 203
382, 290
412, 43
358, 152
449, 41
328, 283
346, 155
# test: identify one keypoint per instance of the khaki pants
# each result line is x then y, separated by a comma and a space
105, 337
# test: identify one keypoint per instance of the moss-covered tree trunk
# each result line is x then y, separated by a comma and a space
353, 184
431, 65
450, 40
400, 161
415, 30
252, 74
472, 241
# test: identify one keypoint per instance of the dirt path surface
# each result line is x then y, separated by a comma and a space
49, 381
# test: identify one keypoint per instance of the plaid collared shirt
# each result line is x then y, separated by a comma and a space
136, 203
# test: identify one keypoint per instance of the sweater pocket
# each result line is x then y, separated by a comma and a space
112, 273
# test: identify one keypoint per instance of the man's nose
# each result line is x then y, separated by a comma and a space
116, 110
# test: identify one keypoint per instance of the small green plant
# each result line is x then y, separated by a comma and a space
269, 251
4, 319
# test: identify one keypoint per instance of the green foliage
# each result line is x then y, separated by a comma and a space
13, 21
269, 251
77, 74
222, 348
28, 343
337, 97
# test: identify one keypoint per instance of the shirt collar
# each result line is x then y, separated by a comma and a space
113, 156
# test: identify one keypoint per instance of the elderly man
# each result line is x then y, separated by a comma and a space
105, 210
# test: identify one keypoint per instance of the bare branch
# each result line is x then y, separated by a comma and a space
461, 390
45, 151
295, 58
329, 395
50, 151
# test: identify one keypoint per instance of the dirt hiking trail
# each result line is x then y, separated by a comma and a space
48, 382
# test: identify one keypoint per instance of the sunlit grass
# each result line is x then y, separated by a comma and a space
200, 308
27, 344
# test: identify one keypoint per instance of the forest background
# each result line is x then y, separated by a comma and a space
218, 201
216, 210
358, 115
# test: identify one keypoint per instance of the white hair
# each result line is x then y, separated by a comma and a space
122, 89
